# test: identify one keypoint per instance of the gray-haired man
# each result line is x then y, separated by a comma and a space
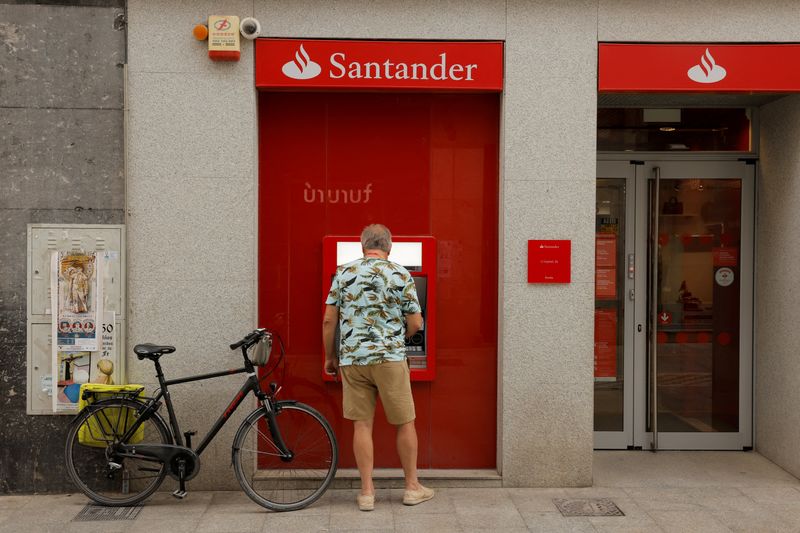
374, 301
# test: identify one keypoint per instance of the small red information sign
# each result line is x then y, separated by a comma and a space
549, 261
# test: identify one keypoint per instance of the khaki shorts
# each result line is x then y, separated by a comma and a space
392, 380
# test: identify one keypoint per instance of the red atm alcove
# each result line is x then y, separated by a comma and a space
422, 164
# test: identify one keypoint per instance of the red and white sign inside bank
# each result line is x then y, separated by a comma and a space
405, 134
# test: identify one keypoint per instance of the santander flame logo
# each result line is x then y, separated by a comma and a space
301, 68
707, 71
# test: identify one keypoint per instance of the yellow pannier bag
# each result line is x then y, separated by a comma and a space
100, 431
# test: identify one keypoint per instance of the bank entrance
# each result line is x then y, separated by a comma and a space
674, 279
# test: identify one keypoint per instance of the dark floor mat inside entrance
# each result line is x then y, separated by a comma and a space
96, 513
587, 507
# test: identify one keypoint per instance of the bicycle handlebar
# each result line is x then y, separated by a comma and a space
249, 339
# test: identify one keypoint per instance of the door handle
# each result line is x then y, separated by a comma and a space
639, 328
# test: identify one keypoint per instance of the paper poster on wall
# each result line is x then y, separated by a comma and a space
605, 344
76, 300
72, 369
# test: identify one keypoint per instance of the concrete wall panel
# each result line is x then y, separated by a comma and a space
191, 125
777, 422
549, 159
383, 19
537, 453
546, 343
60, 57
191, 210
61, 161
529, 214
692, 21
61, 158
161, 39
188, 242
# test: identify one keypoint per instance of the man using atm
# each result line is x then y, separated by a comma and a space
374, 302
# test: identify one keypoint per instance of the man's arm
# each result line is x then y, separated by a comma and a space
329, 321
413, 323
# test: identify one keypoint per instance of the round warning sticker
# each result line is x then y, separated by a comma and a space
724, 276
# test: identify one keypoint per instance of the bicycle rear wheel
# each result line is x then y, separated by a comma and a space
94, 465
279, 483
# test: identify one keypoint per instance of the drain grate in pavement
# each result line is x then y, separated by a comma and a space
587, 507
96, 513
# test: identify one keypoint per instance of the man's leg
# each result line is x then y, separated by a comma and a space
407, 450
362, 448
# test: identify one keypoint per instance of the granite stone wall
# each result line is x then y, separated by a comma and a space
61, 161
777, 368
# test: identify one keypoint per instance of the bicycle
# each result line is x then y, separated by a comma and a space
119, 450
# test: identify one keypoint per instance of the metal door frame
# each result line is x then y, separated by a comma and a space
623, 439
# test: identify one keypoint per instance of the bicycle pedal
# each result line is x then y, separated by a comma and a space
179, 494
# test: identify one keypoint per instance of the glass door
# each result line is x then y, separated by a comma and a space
694, 364
673, 305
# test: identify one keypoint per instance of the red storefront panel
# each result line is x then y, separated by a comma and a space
300, 64
709, 67
423, 164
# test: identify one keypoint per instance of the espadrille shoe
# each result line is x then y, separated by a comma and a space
414, 497
365, 502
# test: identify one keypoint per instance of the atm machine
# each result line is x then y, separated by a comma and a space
418, 256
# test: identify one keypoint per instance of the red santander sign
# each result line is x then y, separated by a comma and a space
725, 68
410, 65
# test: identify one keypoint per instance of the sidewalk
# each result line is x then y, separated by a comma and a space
668, 491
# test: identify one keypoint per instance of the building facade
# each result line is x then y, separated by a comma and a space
220, 238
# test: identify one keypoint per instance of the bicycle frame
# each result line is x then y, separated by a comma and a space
252, 384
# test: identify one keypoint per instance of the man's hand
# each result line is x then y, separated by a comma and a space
413, 324
331, 366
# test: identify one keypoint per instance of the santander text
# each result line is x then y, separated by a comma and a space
400, 71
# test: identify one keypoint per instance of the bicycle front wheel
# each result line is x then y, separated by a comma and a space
282, 483
94, 463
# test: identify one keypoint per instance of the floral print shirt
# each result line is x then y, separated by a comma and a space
372, 295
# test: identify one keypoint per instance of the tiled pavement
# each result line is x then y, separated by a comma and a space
668, 491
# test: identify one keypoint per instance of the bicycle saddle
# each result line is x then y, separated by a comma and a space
151, 351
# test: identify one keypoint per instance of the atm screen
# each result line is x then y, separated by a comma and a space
408, 254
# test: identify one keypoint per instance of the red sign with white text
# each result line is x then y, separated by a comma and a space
709, 67
429, 65
549, 261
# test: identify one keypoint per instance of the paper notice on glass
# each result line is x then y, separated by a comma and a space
605, 345
76, 300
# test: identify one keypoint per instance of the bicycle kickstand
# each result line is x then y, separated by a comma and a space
180, 492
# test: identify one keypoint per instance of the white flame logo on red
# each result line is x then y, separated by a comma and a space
302, 68
707, 71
